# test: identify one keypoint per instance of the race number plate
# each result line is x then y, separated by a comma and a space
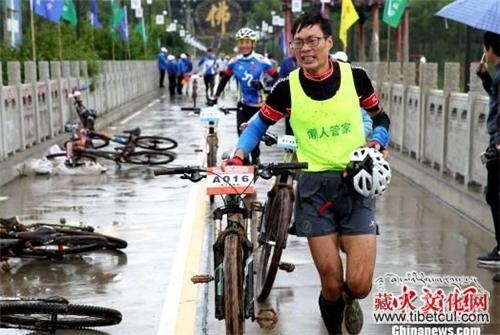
287, 142
233, 180
210, 115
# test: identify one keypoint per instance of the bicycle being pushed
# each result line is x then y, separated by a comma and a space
233, 250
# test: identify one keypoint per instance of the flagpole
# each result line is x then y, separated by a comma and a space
60, 41
33, 44
388, 45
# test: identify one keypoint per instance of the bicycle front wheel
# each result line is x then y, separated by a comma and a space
233, 285
150, 157
276, 228
47, 315
157, 143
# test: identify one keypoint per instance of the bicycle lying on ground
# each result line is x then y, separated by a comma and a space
54, 313
37, 239
275, 220
78, 150
233, 251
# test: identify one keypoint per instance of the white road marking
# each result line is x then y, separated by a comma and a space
131, 117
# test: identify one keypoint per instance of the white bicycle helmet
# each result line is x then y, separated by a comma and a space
370, 172
246, 34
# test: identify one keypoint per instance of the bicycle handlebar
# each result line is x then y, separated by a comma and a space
178, 170
263, 170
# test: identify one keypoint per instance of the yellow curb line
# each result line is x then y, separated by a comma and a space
186, 317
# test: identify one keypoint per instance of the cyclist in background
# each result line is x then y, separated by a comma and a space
207, 66
248, 68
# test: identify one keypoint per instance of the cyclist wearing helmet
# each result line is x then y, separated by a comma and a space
322, 98
248, 68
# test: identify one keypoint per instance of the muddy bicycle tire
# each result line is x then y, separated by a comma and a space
150, 157
276, 223
155, 143
80, 158
38, 315
233, 285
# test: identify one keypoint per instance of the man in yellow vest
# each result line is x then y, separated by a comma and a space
322, 99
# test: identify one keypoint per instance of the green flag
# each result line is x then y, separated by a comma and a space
117, 14
69, 12
141, 30
393, 11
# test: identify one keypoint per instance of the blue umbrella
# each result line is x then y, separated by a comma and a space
480, 14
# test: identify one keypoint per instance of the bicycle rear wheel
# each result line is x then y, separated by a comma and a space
49, 315
276, 228
157, 143
150, 157
233, 285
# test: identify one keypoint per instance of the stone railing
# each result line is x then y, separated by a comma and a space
441, 128
36, 109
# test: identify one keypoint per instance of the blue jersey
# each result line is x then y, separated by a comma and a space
248, 71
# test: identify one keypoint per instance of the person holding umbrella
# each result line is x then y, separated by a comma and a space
491, 45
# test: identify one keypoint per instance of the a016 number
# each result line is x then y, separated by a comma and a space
229, 179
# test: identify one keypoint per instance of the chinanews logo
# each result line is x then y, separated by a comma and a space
444, 302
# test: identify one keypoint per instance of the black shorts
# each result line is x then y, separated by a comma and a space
351, 213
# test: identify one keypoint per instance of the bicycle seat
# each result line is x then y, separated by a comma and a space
134, 132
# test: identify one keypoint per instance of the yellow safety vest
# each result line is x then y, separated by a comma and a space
326, 131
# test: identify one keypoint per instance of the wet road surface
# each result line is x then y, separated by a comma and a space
418, 233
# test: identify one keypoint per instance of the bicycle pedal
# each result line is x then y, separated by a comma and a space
201, 279
288, 267
267, 318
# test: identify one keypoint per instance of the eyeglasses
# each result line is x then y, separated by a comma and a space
311, 42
